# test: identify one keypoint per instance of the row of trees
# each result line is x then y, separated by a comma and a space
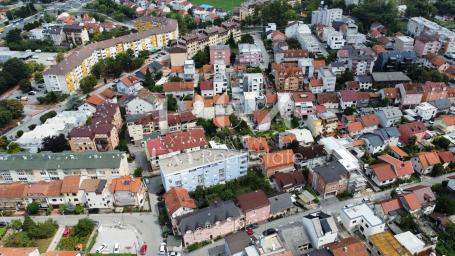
9, 110
118, 12
279, 12
21, 12
18, 42
27, 232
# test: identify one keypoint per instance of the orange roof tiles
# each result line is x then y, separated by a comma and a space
390, 205
369, 120
62, 253
383, 171
261, 116
178, 86
222, 99
412, 201
446, 156
177, 198
257, 144
390, 93
348, 247
177, 69
221, 121
398, 151
12, 190
94, 100
71, 184
401, 168
428, 159
316, 82
271, 99
278, 158
125, 183
129, 80
317, 64
355, 126
108, 93
7, 251
447, 119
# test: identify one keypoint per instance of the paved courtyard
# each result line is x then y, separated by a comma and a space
126, 236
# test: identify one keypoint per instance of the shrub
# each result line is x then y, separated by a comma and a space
19, 133
32, 208
19, 239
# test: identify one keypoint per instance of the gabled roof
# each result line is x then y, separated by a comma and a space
177, 198
401, 168
178, 86
176, 141
369, 120
398, 151
261, 116
413, 128
71, 184
125, 183
129, 80
12, 190
285, 180
355, 126
348, 247
348, 95
327, 97
446, 156
390, 205
411, 201
428, 159
331, 172
221, 121
299, 97
8, 251
278, 158
206, 85
423, 193
252, 201
94, 100
280, 203
383, 171
448, 120
257, 144
391, 93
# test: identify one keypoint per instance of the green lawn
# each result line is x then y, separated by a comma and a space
43, 244
227, 5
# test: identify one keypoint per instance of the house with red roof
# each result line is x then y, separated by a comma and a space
390, 170
278, 161
255, 206
91, 103
424, 162
348, 99
409, 130
256, 146
304, 103
178, 202
207, 88
262, 120
174, 143
288, 181
445, 123
370, 122
128, 191
179, 89
129, 85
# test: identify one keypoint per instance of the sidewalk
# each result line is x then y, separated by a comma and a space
56, 238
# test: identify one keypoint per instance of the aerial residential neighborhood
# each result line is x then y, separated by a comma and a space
222, 128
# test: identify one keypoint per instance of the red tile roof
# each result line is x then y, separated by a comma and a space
286, 180
261, 116
303, 97
348, 95
176, 141
355, 126
369, 120
411, 201
221, 121
178, 86
383, 171
446, 156
177, 198
391, 93
129, 80
278, 158
71, 184
390, 205
428, 159
94, 100
348, 247
125, 183
398, 151
401, 168
206, 85
257, 144
12, 190
252, 201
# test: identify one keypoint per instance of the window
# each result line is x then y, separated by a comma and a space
200, 179
222, 174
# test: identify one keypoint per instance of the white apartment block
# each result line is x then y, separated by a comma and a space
361, 218
253, 82
326, 16
328, 79
404, 43
418, 25
335, 40
205, 167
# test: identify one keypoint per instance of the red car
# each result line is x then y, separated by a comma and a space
143, 249
249, 232
67, 231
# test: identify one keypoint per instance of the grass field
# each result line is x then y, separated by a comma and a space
43, 244
227, 5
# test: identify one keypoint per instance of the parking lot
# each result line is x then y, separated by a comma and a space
126, 236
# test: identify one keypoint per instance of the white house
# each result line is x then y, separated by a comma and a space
361, 218
335, 40
96, 195
328, 79
318, 233
142, 104
426, 111
129, 85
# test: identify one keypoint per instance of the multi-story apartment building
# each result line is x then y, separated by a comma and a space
253, 82
220, 52
362, 218
250, 54
75, 35
198, 40
328, 79
326, 16
321, 228
30, 167
288, 76
419, 25
411, 94
394, 60
434, 91
66, 75
205, 167
96, 194
426, 44
404, 43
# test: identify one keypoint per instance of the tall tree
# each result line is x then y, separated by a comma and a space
55, 144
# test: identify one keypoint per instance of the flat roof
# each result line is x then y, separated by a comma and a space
190, 160
390, 76
363, 210
410, 242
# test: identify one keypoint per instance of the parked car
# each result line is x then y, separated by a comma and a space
3, 224
252, 226
67, 231
174, 254
249, 232
101, 248
270, 231
116, 248
163, 249
143, 249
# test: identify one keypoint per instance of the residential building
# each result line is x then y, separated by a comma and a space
189, 70
326, 16
253, 82
180, 89
262, 120
427, 43
361, 218
66, 76
391, 94
235, 244
220, 52
75, 35
177, 55
45, 193
281, 205
390, 135
294, 55
394, 60
256, 146
91, 103
348, 246
411, 94
70, 189
144, 102
445, 123
370, 122
355, 128
348, 99
426, 111
389, 116
404, 43
373, 143
304, 103
388, 172
414, 244
365, 82
45, 166
359, 60
422, 201
278, 161
208, 223
434, 91
12, 195
328, 79
330, 179
250, 54
255, 206
389, 78
338, 149
205, 167
385, 243
178, 202
288, 181
96, 194
419, 25
329, 100
128, 191
310, 156
321, 228
25, 251
335, 40
424, 162
409, 130
172, 144
288, 77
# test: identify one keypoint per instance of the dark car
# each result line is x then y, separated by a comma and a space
269, 231
252, 226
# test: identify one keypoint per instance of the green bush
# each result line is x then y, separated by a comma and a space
83, 227
18, 239
19, 133
46, 116
32, 208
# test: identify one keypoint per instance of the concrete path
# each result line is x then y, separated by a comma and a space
56, 239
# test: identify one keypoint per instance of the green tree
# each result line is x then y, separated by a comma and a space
18, 239
14, 35
87, 84
28, 223
83, 228
246, 39
13, 106
74, 101
138, 172
16, 224
60, 56
25, 85
19, 133
171, 103
5, 117
46, 116
55, 143
441, 142
148, 80
32, 208
14, 148
445, 204
17, 68
293, 43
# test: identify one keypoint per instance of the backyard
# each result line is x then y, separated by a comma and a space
227, 5
79, 236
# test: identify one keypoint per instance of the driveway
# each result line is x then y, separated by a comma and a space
265, 55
